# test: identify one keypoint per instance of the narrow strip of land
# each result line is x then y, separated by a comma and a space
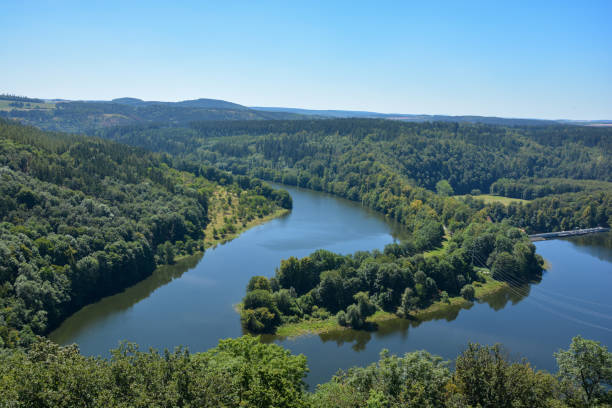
562, 234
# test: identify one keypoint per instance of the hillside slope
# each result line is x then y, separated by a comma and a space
82, 218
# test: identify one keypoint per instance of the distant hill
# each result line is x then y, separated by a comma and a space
87, 116
326, 113
489, 120
195, 103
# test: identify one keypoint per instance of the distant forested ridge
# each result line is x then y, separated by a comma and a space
81, 218
87, 116
383, 163
16, 98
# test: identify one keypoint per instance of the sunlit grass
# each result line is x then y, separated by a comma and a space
489, 198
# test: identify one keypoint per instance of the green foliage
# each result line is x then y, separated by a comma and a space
585, 372
245, 372
416, 380
474, 155
82, 218
258, 283
409, 301
468, 292
504, 266
484, 377
532, 188
238, 372
260, 314
341, 317
357, 313
396, 280
78, 116
444, 188
585, 209
380, 163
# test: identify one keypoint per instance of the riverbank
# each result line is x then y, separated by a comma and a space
224, 209
228, 219
434, 311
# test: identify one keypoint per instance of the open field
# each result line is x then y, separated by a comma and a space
223, 209
489, 198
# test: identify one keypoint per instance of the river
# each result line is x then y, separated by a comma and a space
192, 302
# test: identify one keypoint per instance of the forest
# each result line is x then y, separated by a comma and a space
82, 218
244, 372
401, 279
379, 162
410, 172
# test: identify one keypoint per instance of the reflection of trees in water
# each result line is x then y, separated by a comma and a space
449, 314
598, 245
360, 337
497, 301
111, 305
142, 290
500, 299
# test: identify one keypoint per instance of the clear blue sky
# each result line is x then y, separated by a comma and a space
519, 59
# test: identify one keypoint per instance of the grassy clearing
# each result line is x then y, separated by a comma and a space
489, 287
321, 326
438, 251
489, 198
312, 326
223, 211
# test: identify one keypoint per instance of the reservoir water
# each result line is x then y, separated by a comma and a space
192, 302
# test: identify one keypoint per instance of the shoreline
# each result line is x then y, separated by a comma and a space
251, 224
432, 312
199, 253
226, 222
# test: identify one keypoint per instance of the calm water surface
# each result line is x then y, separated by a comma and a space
191, 303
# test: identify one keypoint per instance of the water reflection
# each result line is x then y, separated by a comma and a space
358, 339
121, 302
513, 294
597, 245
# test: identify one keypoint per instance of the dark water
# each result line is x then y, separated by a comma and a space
191, 303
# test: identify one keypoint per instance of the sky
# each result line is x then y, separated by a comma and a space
533, 59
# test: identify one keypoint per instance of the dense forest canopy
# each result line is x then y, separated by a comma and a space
81, 218
243, 372
382, 163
